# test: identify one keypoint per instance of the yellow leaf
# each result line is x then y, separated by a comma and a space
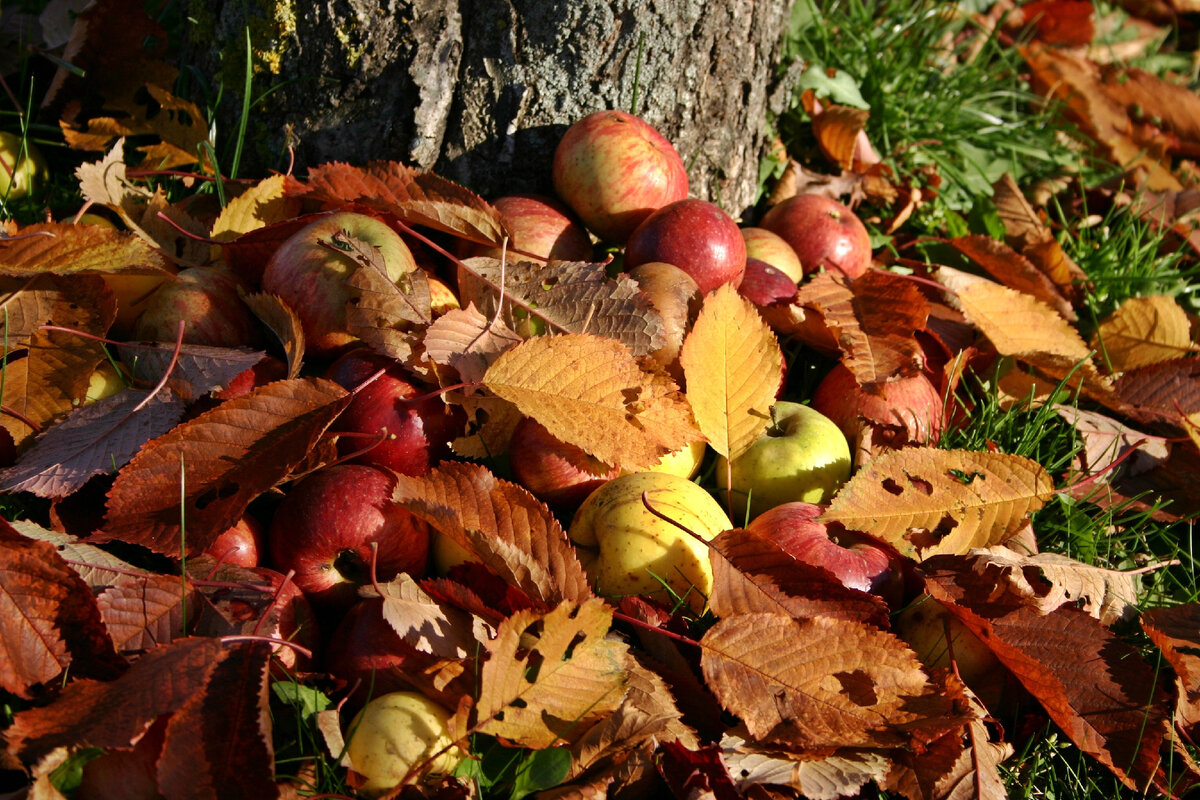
1144, 331
927, 502
257, 207
733, 367
590, 392
547, 675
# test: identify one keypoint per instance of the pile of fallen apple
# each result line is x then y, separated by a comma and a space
622, 192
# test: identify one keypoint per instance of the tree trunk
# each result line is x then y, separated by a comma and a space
480, 91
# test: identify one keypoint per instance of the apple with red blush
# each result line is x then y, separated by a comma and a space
242, 544
764, 285
541, 228
614, 169
855, 559
773, 249
559, 474
336, 523
365, 651
824, 233
694, 235
406, 425
309, 271
208, 301
267, 370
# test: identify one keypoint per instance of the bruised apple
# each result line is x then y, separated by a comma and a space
614, 169
627, 550
310, 268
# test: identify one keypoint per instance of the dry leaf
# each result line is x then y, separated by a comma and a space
1176, 631
65, 249
260, 205
1142, 332
733, 368
1025, 231
283, 322
590, 392
926, 501
1014, 271
468, 341
144, 612
429, 626
549, 675
821, 778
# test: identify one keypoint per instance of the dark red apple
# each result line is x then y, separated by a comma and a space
417, 433
367, 653
268, 369
310, 268
542, 227
853, 558
326, 527
676, 297
884, 416
559, 474
244, 544
694, 235
824, 233
613, 169
764, 285
207, 300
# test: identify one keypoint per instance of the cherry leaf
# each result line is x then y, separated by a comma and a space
283, 322
97, 567
144, 612
219, 462
468, 341
1144, 331
197, 371
839, 775
65, 249
1013, 270
260, 205
428, 625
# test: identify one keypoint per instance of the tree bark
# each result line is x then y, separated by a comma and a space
480, 91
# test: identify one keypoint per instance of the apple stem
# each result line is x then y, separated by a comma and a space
374, 564
254, 637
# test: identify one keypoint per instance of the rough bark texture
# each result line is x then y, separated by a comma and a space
480, 91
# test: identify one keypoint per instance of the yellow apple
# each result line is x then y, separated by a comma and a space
684, 462
636, 552
395, 733
21, 173
802, 455
104, 382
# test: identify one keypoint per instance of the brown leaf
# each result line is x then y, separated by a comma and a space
1105, 440
1025, 231
590, 392
1144, 331
1014, 271
46, 372
196, 370
926, 501
468, 341
1176, 632
733, 367
1097, 689
418, 198
48, 619
753, 574
506, 528
1160, 393
955, 767
547, 674
224, 458
842, 774
821, 682
260, 205
145, 612
571, 297
283, 322
387, 314
837, 129
97, 567
66, 249
428, 625
490, 423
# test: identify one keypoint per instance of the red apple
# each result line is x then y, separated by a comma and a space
542, 227
764, 285
676, 297
207, 300
310, 268
771, 248
559, 474
883, 416
614, 170
365, 651
326, 527
243, 544
824, 233
852, 557
417, 433
694, 235
267, 369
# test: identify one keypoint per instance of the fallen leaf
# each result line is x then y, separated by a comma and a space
1014, 271
427, 625
1176, 632
144, 612
733, 367
259, 205
468, 341
926, 501
818, 778
1144, 331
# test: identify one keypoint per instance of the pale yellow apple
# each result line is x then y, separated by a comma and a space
104, 382
395, 733
637, 552
684, 462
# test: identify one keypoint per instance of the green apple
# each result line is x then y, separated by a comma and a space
627, 550
802, 455
393, 734
21, 172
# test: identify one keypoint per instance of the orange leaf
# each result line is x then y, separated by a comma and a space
1144, 331
837, 129
590, 392
1013, 270
262, 204
926, 501
733, 367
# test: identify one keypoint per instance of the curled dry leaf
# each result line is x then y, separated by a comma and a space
548, 675
1160, 393
925, 501
1025, 231
468, 341
821, 682
1142, 332
1176, 632
509, 530
1105, 440
282, 321
590, 392
428, 625
733, 367
842, 774
388, 315
67, 249
1014, 270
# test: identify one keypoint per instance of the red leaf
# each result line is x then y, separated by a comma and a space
225, 457
696, 773
48, 618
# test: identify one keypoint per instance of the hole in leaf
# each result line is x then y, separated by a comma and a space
924, 538
892, 487
535, 662
921, 485
518, 702
578, 638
